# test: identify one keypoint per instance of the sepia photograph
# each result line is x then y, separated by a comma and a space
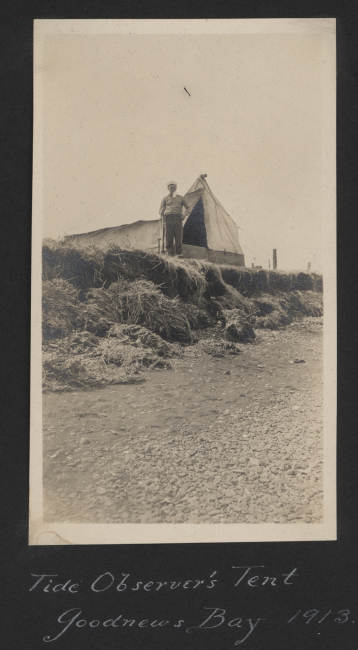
183, 384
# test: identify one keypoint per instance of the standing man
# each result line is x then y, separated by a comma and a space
171, 211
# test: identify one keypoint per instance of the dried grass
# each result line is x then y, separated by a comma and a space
80, 266
238, 325
65, 373
215, 285
88, 267
59, 308
107, 315
197, 318
251, 282
141, 336
219, 348
232, 299
137, 303
281, 309
82, 360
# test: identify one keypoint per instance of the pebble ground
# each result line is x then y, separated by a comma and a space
230, 440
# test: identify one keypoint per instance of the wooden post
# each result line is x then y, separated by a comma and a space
163, 235
309, 267
252, 265
274, 259
269, 266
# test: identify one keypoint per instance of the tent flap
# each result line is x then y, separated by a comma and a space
221, 230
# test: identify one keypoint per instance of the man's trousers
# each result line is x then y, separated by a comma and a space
174, 231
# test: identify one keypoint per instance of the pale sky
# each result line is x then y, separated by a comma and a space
118, 125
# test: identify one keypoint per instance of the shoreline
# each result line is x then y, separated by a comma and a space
213, 440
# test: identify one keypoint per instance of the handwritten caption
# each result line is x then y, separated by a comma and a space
250, 577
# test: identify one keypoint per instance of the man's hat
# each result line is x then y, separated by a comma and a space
172, 183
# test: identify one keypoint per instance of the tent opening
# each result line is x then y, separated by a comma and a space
194, 231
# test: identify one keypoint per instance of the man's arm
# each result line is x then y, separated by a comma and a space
162, 208
186, 206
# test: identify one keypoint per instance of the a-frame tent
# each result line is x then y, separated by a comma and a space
208, 233
209, 225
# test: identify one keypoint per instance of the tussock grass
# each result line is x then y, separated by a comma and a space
136, 303
215, 285
239, 326
88, 267
251, 282
59, 308
277, 311
107, 315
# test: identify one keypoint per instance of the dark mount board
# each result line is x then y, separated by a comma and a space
327, 571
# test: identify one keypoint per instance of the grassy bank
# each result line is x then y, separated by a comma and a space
109, 314
89, 267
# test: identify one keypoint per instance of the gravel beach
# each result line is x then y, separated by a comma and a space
234, 439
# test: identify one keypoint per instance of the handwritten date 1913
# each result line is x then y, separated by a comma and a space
310, 614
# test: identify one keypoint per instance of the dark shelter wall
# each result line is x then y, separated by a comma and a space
194, 232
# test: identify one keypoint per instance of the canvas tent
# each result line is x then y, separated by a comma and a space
208, 233
139, 235
209, 225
